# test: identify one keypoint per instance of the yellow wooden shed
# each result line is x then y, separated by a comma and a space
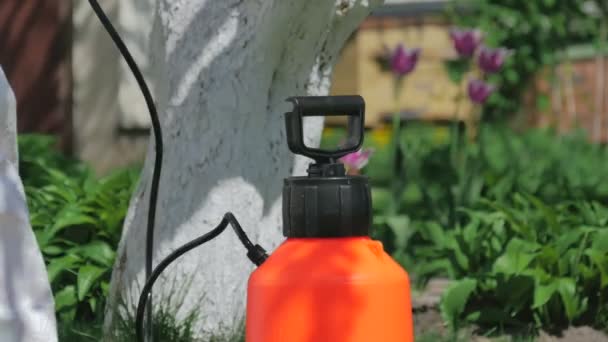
427, 93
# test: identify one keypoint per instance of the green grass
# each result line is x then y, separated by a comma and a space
75, 331
171, 323
166, 328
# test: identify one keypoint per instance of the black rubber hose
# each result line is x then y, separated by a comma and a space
158, 137
255, 253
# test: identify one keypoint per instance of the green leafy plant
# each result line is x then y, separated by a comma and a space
530, 263
490, 216
77, 220
503, 162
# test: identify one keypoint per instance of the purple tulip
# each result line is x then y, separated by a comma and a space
357, 160
491, 60
466, 41
403, 60
479, 91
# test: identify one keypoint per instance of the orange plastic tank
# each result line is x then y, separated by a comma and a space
328, 282
329, 289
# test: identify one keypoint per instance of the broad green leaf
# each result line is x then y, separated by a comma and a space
435, 233
513, 217
381, 198
87, 276
60, 178
548, 257
105, 288
471, 235
549, 214
64, 263
601, 214
588, 275
90, 185
588, 213
600, 260
97, 251
566, 263
567, 239
600, 241
455, 298
455, 252
496, 243
434, 267
567, 291
67, 315
65, 193
517, 256
53, 250
379, 220
402, 229
538, 274
42, 237
542, 294
93, 304
65, 297
71, 216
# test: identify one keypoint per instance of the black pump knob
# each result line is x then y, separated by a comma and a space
352, 106
327, 203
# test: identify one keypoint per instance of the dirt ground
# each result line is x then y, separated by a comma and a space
575, 334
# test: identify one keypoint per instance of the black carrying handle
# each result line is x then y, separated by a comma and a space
352, 106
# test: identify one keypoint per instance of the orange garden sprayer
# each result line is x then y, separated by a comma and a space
328, 281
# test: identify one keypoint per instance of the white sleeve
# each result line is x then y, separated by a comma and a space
26, 302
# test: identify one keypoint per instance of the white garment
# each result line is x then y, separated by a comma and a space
26, 302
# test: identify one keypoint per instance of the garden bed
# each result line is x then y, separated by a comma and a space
428, 323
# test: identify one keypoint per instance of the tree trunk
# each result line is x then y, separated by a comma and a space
223, 70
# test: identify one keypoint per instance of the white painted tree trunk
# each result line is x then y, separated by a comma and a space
27, 312
223, 72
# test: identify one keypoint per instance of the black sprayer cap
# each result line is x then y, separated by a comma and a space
327, 202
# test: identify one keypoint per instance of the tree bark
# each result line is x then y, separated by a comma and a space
222, 72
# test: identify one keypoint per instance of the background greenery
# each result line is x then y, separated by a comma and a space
77, 219
519, 219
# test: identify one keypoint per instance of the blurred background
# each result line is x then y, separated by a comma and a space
487, 123
70, 81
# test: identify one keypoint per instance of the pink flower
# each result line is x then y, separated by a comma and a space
479, 91
357, 160
466, 41
491, 60
403, 61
